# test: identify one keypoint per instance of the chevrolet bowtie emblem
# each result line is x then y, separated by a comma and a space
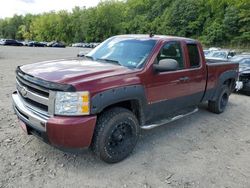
23, 91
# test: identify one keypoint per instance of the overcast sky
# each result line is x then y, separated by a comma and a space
10, 7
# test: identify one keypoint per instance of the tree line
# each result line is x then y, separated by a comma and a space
213, 22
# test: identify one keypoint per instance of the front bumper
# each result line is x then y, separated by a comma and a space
62, 132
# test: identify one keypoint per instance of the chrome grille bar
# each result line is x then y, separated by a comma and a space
26, 93
32, 85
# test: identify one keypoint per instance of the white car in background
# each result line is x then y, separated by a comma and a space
220, 54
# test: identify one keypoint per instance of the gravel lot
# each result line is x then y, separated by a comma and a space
202, 150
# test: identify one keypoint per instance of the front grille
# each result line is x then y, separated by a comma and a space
36, 104
33, 96
33, 88
38, 94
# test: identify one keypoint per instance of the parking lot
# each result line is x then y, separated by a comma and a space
202, 150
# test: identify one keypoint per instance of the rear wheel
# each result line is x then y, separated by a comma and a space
116, 135
218, 106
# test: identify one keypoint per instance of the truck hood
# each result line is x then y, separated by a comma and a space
72, 71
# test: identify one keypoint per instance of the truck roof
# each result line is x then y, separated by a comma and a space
156, 37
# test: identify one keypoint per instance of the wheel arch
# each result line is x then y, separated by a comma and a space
226, 78
129, 97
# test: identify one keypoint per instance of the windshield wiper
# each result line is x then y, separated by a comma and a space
109, 60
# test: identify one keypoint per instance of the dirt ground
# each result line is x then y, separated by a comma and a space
202, 150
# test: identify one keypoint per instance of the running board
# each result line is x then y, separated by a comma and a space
165, 121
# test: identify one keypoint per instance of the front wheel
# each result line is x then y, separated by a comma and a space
116, 135
218, 106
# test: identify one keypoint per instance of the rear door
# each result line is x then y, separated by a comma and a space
196, 72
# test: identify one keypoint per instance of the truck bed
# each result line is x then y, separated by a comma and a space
215, 73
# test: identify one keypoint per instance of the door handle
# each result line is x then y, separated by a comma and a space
184, 78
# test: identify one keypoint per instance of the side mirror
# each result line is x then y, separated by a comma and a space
166, 65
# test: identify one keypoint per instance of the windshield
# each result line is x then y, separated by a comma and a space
128, 52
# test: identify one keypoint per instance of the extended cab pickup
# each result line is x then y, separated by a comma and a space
127, 83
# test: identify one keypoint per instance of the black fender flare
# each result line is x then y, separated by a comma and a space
231, 74
112, 96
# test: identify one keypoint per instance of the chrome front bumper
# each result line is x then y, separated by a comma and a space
27, 115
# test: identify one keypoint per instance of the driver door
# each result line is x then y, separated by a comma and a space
167, 91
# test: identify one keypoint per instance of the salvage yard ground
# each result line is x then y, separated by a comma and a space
202, 150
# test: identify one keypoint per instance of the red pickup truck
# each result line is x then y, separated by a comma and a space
128, 83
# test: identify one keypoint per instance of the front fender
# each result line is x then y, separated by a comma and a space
116, 95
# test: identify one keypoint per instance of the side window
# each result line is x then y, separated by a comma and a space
194, 55
172, 50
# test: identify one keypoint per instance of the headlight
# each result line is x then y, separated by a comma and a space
72, 103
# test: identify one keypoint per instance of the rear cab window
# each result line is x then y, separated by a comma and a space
193, 55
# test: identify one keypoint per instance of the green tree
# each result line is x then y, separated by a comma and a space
231, 23
244, 22
182, 18
214, 33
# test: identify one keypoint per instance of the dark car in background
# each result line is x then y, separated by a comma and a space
36, 44
244, 71
10, 42
56, 44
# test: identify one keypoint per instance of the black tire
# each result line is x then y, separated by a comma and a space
116, 135
218, 106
